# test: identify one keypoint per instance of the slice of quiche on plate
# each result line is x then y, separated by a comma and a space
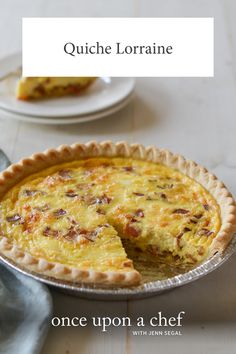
29, 88
70, 213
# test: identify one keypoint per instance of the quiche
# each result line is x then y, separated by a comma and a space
29, 88
70, 213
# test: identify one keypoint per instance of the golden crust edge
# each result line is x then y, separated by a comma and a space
66, 153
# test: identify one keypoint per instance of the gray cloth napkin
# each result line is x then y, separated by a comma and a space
25, 308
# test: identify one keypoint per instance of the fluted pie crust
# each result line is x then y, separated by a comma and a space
37, 162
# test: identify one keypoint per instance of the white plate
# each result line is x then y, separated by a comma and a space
65, 120
104, 93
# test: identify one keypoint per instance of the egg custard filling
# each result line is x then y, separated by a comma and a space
78, 214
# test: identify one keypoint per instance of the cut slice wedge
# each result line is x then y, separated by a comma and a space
29, 88
84, 241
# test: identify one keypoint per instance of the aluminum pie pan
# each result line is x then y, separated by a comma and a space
143, 291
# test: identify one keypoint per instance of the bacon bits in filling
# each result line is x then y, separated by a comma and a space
181, 211
59, 212
65, 174
14, 219
131, 230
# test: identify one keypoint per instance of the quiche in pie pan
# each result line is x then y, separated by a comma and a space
88, 213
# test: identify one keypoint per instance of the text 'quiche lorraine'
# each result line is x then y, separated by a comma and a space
70, 213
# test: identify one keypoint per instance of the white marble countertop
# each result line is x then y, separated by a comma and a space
194, 117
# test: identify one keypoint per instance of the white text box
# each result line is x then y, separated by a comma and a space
118, 47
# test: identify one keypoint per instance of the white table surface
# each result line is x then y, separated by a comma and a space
192, 116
